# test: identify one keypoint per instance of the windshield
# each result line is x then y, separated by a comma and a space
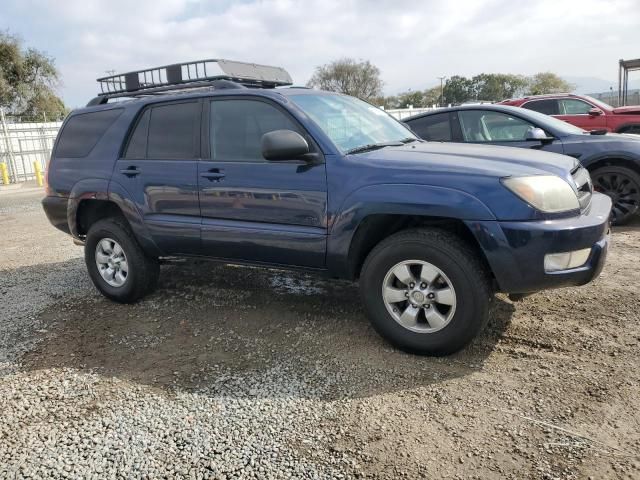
599, 103
352, 124
559, 125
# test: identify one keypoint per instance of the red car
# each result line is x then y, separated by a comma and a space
583, 112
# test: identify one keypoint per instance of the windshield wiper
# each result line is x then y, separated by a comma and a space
373, 146
409, 140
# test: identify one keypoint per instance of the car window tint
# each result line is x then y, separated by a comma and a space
137, 147
548, 106
571, 106
173, 131
488, 126
82, 132
237, 127
435, 127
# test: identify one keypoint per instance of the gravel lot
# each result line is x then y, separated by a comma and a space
230, 372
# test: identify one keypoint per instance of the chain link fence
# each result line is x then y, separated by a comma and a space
25, 144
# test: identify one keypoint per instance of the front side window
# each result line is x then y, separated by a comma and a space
435, 128
351, 123
548, 107
488, 126
237, 127
570, 106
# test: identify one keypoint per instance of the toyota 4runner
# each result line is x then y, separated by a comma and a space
209, 159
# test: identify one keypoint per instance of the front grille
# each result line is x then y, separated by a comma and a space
584, 187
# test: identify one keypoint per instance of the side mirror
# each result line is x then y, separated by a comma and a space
283, 145
594, 112
537, 134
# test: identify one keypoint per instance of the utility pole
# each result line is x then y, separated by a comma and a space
441, 90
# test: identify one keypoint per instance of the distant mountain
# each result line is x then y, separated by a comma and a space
597, 85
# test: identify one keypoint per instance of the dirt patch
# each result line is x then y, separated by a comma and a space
551, 389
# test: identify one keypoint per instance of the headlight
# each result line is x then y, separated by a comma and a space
547, 193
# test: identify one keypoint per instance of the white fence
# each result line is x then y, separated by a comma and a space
402, 113
22, 144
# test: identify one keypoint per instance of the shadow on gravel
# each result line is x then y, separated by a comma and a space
208, 325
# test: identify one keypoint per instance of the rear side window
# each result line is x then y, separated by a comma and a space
138, 142
166, 132
548, 107
433, 127
82, 132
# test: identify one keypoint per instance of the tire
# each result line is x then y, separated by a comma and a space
462, 270
623, 186
630, 129
142, 272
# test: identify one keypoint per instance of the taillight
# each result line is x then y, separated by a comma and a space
47, 189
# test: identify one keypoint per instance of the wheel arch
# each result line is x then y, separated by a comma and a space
374, 228
614, 160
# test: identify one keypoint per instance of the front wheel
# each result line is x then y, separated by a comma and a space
425, 291
622, 185
117, 265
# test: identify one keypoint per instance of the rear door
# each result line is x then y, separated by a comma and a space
159, 170
253, 209
498, 128
434, 128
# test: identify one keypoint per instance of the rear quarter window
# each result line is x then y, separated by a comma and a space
83, 131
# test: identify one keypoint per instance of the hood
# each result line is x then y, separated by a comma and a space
484, 160
628, 110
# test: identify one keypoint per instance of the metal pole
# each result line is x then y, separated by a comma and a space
441, 90
12, 161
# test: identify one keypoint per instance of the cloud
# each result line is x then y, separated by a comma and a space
411, 42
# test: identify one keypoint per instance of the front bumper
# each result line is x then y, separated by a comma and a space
515, 250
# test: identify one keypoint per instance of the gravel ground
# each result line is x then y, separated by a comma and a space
231, 372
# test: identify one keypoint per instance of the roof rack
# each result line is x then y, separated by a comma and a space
217, 73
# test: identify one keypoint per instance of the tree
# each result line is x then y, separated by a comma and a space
431, 97
495, 87
458, 90
356, 78
28, 79
547, 82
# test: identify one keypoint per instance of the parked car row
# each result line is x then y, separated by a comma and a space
242, 172
613, 160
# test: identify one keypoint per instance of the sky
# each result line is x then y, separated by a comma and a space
411, 42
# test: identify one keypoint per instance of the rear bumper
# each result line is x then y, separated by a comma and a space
516, 250
56, 210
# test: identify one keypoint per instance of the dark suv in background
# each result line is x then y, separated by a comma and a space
612, 160
233, 169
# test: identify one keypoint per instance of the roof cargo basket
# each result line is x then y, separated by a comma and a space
201, 73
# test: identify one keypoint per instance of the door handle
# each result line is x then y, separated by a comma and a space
131, 171
215, 174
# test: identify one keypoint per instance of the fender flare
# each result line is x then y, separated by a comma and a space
395, 199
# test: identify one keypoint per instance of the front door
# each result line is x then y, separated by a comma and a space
499, 128
253, 209
576, 112
159, 170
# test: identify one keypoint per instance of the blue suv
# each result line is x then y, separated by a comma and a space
225, 166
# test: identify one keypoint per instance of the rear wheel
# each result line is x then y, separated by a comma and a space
622, 185
117, 264
425, 291
630, 129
